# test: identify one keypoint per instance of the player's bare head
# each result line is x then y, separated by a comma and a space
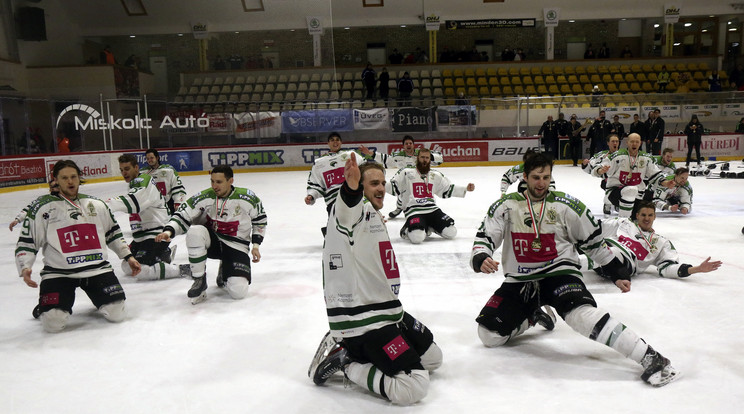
634, 141
59, 165
221, 178
613, 142
128, 167
530, 152
681, 175
423, 161
372, 179
537, 161
408, 140
67, 175
153, 157
223, 169
334, 141
646, 215
128, 159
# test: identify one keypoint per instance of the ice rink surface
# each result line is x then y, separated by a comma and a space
251, 356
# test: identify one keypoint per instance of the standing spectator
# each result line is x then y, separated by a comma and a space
662, 79
656, 132
384, 85
220, 223
107, 57
369, 77
219, 63
446, 55
519, 55
598, 133
617, 128
714, 82
549, 133
405, 88
236, 61
541, 265
69, 227
604, 51
395, 58
372, 339
639, 128
694, 132
589, 52
420, 56
562, 124
737, 77
626, 53
131, 62
507, 55
740, 126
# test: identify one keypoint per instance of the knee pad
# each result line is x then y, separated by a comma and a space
416, 236
432, 358
491, 338
449, 232
629, 193
114, 312
197, 237
237, 287
407, 388
54, 320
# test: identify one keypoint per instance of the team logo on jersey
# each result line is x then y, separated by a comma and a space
237, 210
528, 221
334, 177
335, 262
422, 190
45, 216
522, 245
92, 210
78, 237
85, 258
552, 216
74, 214
396, 347
389, 265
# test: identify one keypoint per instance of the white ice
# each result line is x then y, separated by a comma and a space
252, 355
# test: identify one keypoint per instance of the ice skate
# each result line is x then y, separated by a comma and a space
330, 357
184, 270
36, 312
607, 209
658, 371
393, 214
173, 253
545, 318
198, 291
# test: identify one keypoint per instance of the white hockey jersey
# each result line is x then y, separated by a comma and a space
594, 162
327, 175
361, 279
566, 223
417, 191
663, 195
665, 169
145, 206
168, 181
647, 247
73, 235
238, 219
628, 171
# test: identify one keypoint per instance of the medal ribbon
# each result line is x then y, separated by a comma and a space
647, 240
70, 202
535, 223
219, 209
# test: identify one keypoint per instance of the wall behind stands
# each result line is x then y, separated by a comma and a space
103, 166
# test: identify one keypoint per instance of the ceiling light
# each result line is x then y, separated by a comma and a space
656, 25
572, 21
688, 24
347, 28
677, 44
132, 36
402, 25
180, 34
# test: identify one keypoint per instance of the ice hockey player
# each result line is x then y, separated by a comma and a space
166, 179
672, 192
73, 230
627, 171
641, 246
220, 223
372, 339
540, 230
53, 190
664, 161
417, 186
588, 165
516, 173
147, 216
403, 158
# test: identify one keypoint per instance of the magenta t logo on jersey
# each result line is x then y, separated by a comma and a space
523, 248
161, 187
387, 255
422, 190
333, 177
78, 237
630, 178
396, 347
635, 246
228, 228
494, 301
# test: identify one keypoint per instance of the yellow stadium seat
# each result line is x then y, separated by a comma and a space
558, 70
495, 91
613, 69
491, 72
647, 68
448, 82
550, 79
470, 82
515, 80
681, 67
542, 90
493, 81
652, 77
591, 70
565, 90
524, 71
507, 90
513, 71
627, 69
449, 92
535, 70
446, 73
569, 70
547, 70
572, 79
503, 72
588, 88
580, 70
648, 87
641, 77
459, 82
469, 73
483, 91
629, 77
606, 78
530, 90
698, 76
584, 78
635, 87
692, 67
617, 78
482, 81
472, 91
623, 88
595, 78
576, 89
553, 90
457, 73
602, 69
561, 79
703, 66
527, 80
519, 90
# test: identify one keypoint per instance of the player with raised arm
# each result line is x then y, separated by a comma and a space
147, 216
643, 247
220, 223
540, 231
417, 186
53, 190
588, 165
73, 230
372, 339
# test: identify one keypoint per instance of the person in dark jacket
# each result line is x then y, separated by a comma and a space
369, 77
694, 132
405, 88
384, 87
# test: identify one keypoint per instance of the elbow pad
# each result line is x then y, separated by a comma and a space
684, 270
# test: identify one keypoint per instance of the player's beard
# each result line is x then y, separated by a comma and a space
423, 168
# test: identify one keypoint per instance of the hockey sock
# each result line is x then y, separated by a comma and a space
402, 388
599, 326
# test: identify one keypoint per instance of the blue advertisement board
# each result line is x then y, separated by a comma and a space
321, 120
179, 160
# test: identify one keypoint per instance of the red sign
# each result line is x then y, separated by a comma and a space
21, 172
462, 151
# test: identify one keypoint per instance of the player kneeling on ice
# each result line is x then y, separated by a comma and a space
73, 230
220, 223
540, 230
417, 187
672, 192
147, 215
376, 344
640, 245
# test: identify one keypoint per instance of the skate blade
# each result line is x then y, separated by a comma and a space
657, 380
199, 299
